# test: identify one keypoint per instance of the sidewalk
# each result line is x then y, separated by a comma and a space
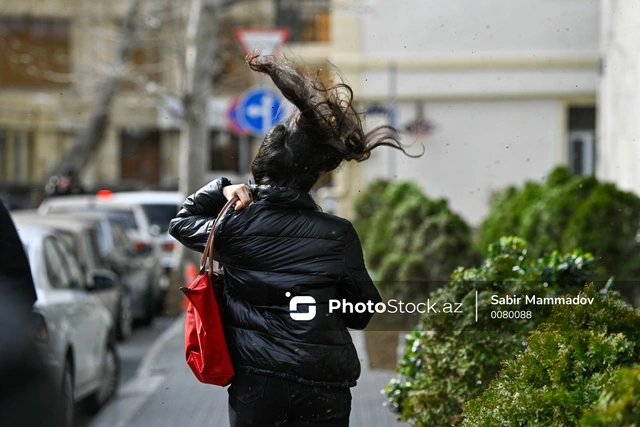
165, 393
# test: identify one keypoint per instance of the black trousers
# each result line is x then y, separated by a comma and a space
256, 400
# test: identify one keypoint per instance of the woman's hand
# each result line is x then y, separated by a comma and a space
242, 191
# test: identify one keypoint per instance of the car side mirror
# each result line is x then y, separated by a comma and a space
103, 280
155, 230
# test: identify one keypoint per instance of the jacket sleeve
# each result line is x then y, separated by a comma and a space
359, 286
193, 223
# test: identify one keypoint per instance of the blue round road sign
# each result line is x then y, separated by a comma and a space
259, 109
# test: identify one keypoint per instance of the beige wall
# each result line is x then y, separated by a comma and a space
495, 77
618, 142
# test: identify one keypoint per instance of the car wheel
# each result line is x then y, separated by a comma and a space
67, 395
110, 378
124, 327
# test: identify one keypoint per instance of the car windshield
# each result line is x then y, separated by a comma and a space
125, 219
160, 214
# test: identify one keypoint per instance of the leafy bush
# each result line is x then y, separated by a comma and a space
568, 212
568, 361
505, 216
411, 242
619, 403
369, 204
449, 357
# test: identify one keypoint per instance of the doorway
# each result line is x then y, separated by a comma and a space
140, 156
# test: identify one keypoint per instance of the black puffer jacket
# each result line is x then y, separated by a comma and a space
278, 247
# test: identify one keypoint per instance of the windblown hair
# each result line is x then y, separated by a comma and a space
324, 131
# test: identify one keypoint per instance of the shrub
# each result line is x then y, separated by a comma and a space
368, 204
450, 358
619, 403
411, 242
568, 361
568, 212
505, 215
375, 209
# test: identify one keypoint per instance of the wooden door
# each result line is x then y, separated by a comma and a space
140, 154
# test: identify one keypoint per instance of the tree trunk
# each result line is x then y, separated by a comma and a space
201, 49
90, 138
202, 29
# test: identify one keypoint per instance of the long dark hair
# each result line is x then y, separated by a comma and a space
324, 131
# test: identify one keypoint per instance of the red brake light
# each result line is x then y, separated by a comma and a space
168, 246
104, 194
142, 247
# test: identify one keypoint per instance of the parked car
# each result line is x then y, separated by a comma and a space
160, 207
134, 221
117, 253
78, 332
84, 236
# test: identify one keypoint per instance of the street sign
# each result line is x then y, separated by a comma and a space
233, 124
269, 40
259, 109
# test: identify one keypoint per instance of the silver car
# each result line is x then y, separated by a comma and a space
80, 332
84, 235
134, 221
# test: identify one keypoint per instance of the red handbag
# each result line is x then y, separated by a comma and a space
205, 345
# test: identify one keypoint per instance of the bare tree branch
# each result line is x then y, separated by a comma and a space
92, 135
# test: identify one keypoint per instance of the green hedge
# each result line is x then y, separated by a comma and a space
567, 363
411, 242
567, 212
450, 358
619, 403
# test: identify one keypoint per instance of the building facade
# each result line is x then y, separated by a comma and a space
618, 144
497, 92
55, 54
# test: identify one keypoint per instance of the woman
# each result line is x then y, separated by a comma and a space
277, 245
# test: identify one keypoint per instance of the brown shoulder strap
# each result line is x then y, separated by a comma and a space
207, 255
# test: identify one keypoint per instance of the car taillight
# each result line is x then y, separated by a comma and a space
168, 246
143, 248
39, 327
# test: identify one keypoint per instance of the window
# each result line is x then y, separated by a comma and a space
224, 152
74, 269
17, 155
146, 64
23, 148
33, 51
140, 155
160, 214
58, 275
124, 218
308, 20
582, 131
121, 242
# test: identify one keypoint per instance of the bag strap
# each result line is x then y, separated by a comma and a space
207, 255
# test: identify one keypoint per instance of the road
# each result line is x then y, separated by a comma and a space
131, 353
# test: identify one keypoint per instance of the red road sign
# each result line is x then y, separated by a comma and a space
269, 40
